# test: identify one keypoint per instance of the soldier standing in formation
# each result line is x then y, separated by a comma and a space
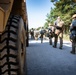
59, 25
32, 33
42, 31
73, 33
51, 33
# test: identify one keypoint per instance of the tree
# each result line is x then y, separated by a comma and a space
46, 25
63, 8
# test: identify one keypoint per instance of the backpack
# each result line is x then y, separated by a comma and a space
42, 32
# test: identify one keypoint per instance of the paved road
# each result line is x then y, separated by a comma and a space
43, 59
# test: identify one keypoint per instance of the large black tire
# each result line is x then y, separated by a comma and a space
12, 47
27, 35
27, 39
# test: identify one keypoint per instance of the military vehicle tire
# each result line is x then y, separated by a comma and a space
12, 47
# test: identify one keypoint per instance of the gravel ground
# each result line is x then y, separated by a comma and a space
43, 59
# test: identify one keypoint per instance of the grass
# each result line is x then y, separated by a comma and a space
66, 37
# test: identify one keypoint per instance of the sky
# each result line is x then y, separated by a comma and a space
37, 11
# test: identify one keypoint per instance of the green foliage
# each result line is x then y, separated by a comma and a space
63, 8
38, 28
46, 25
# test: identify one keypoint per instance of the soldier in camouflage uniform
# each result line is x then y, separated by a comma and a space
32, 33
59, 25
73, 34
42, 34
51, 33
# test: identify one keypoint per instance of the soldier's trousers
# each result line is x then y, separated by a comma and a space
60, 34
50, 40
41, 38
73, 46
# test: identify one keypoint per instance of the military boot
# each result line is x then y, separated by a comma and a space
73, 48
61, 43
55, 41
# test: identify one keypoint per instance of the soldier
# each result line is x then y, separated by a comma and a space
42, 34
32, 33
58, 32
73, 33
36, 34
50, 33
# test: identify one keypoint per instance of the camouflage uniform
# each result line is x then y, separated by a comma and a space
73, 33
59, 32
51, 34
32, 33
50, 38
36, 34
42, 34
